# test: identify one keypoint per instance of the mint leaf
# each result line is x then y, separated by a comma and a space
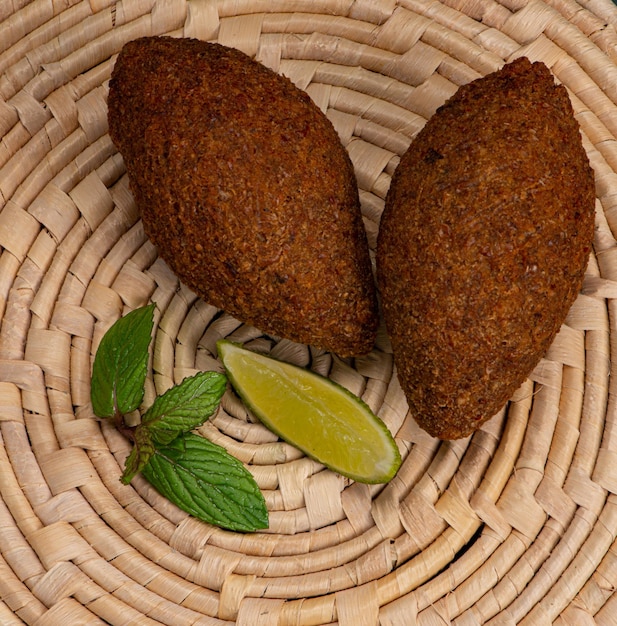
140, 454
204, 480
185, 406
121, 364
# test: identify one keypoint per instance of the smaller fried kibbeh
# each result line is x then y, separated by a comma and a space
483, 245
246, 190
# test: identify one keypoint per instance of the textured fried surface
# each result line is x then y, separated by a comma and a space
483, 245
246, 190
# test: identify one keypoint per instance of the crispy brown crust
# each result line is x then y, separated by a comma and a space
246, 190
483, 245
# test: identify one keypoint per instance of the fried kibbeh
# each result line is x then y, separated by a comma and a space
483, 244
246, 190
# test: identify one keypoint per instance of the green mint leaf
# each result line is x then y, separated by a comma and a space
185, 406
121, 364
141, 453
204, 480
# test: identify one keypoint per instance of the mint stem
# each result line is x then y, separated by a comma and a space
123, 428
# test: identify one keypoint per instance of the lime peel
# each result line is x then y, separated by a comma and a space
313, 413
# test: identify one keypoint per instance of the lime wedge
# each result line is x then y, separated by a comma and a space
311, 412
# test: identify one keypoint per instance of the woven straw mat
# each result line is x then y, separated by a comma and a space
514, 525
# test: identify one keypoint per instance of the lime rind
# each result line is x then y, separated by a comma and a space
338, 437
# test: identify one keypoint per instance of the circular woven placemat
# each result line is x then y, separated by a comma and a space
515, 525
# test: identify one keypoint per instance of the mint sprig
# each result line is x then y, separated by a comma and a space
197, 475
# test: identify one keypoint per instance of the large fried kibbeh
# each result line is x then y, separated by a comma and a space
246, 190
483, 244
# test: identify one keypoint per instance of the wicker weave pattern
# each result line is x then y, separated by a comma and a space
515, 525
